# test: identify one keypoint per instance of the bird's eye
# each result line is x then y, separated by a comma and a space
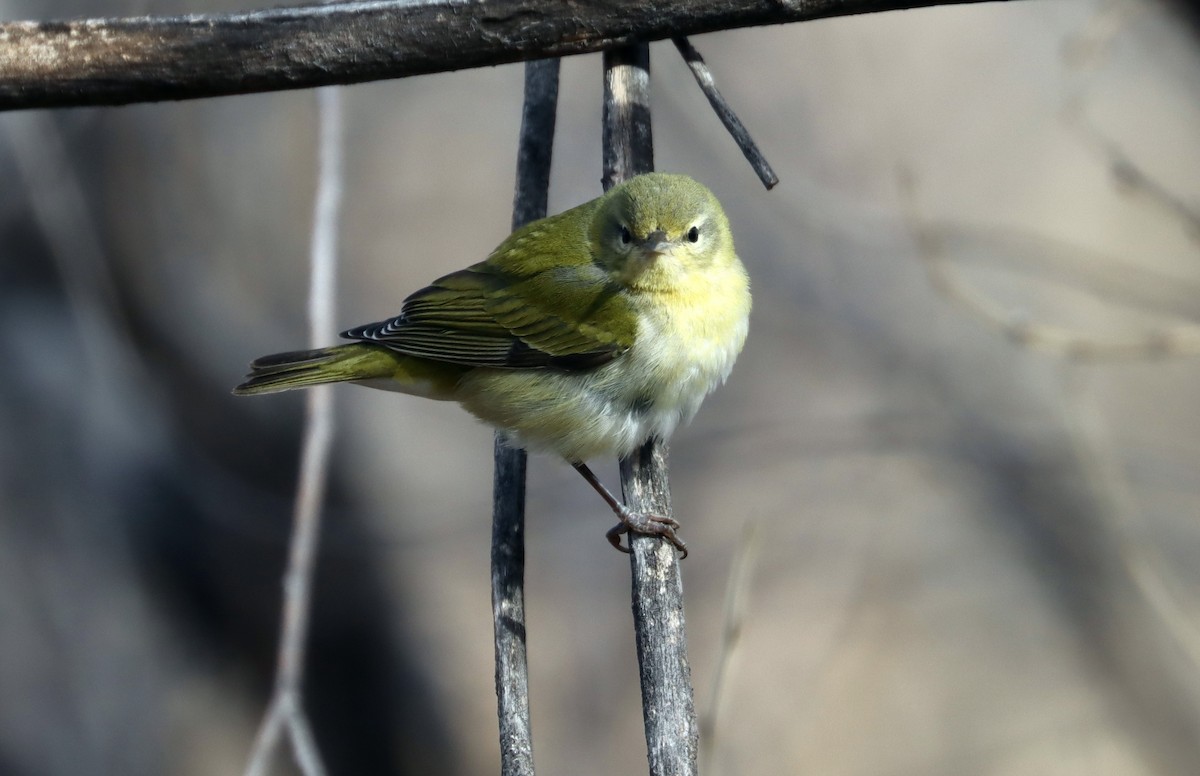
626, 237
693, 234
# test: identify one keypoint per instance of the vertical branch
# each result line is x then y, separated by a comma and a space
668, 707
508, 507
287, 701
628, 139
530, 201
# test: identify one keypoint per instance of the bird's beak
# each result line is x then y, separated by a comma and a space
646, 254
656, 244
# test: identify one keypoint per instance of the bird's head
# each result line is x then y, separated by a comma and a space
653, 230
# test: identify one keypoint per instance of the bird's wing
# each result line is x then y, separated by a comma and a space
493, 315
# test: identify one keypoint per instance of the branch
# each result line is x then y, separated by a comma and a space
508, 508
508, 610
1169, 341
668, 708
734, 125
286, 710
144, 59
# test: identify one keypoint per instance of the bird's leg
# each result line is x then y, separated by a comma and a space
635, 522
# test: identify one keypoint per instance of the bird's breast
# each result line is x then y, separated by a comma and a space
686, 345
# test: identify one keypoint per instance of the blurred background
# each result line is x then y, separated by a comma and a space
965, 428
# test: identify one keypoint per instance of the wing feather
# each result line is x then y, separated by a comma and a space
509, 314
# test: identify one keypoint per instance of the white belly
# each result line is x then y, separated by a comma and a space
678, 358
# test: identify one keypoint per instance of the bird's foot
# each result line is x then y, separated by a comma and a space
648, 524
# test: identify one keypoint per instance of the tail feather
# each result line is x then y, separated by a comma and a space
304, 368
292, 357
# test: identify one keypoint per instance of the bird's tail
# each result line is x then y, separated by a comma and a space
304, 368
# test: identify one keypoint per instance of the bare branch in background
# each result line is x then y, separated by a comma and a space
144, 59
1086, 429
1169, 341
286, 709
1086, 426
1129, 177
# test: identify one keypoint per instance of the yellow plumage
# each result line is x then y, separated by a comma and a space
585, 333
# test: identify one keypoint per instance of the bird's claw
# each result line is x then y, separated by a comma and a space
648, 524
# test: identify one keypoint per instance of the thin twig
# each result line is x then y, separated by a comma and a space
286, 709
1164, 342
1130, 177
668, 707
508, 507
143, 59
741, 135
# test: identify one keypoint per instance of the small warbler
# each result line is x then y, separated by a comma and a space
584, 334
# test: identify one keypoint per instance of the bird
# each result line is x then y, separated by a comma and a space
583, 334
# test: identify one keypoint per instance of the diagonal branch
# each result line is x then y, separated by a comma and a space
143, 59
734, 125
